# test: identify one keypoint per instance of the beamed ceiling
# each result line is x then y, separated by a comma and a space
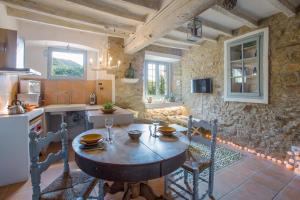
145, 22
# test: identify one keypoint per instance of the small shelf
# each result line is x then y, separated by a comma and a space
236, 61
103, 68
129, 80
245, 60
250, 47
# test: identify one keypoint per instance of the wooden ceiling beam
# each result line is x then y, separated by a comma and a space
176, 40
39, 8
152, 5
171, 45
183, 30
216, 27
237, 14
109, 9
284, 6
172, 16
30, 16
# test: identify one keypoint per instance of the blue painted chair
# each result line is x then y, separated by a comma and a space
70, 184
195, 165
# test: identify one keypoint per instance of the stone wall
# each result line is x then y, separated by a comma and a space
270, 128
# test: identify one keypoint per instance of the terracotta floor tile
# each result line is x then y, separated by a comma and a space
250, 178
291, 192
279, 173
24, 195
250, 191
270, 182
227, 180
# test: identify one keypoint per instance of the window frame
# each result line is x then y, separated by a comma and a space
261, 96
169, 72
66, 50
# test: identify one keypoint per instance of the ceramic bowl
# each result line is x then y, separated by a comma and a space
166, 130
134, 134
108, 111
90, 138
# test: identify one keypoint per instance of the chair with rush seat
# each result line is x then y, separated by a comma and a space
195, 164
70, 184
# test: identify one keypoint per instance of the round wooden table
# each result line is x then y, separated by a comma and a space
131, 162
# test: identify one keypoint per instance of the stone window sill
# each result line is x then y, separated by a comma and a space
162, 105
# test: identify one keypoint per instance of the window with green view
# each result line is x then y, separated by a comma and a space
156, 79
66, 64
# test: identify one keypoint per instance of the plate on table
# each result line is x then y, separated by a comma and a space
91, 139
99, 145
166, 130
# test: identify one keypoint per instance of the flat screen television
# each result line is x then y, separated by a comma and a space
201, 85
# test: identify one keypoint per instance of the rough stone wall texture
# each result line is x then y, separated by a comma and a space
270, 128
131, 95
164, 113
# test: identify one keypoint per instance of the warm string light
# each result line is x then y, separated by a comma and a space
293, 163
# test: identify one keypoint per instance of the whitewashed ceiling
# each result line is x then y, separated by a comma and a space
144, 22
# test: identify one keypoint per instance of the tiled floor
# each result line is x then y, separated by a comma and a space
248, 179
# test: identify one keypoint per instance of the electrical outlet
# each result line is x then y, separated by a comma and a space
295, 148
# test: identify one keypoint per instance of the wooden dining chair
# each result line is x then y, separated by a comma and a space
195, 164
70, 184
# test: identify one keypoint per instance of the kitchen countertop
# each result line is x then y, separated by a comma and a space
121, 117
30, 115
70, 107
53, 108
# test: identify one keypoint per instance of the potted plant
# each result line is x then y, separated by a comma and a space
108, 108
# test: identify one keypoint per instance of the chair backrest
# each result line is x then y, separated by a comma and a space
210, 126
36, 144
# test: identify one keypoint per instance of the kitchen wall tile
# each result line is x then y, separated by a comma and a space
8, 91
67, 91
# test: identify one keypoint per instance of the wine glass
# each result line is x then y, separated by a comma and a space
155, 123
108, 124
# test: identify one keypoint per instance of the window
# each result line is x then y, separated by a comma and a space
157, 77
66, 64
246, 68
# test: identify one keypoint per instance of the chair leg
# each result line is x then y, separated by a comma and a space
166, 185
211, 181
195, 184
101, 189
185, 176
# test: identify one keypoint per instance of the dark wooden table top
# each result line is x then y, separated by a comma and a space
132, 161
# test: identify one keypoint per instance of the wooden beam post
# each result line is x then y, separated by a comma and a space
284, 6
172, 16
149, 4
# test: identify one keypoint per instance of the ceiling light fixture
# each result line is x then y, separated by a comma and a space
194, 27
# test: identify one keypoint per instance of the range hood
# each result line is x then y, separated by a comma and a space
19, 71
12, 54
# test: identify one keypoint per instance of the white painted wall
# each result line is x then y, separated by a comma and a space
36, 51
